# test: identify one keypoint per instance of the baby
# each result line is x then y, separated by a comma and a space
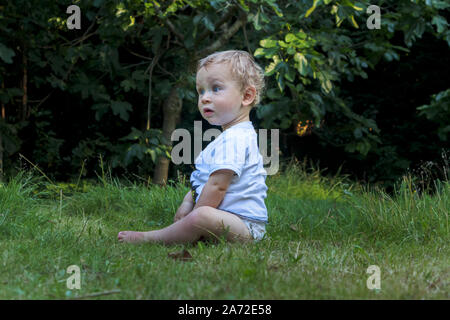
228, 185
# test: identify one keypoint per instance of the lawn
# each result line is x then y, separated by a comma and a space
324, 233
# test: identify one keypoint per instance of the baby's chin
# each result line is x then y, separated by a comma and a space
213, 122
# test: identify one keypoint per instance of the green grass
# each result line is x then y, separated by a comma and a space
324, 233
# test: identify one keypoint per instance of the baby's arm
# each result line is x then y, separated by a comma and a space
212, 193
186, 207
215, 188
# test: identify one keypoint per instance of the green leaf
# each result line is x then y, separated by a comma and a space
438, 4
132, 21
440, 23
152, 154
98, 3
290, 75
301, 35
134, 135
134, 151
100, 110
270, 69
327, 85
282, 44
264, 18
121, 108
128, 84
266, 111
311, 10
275, 7
273, 94
302, 63
6, 53
267, 53
290, 37
285, 123
280, 82
8, 94
350, 4
357, 133
352, 18
197, 19
259, 52
363, 147
291, 51
208, 24
138, 75
256, 21
268, 43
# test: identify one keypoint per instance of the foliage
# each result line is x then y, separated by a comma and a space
90, 90
313, 53
439, 111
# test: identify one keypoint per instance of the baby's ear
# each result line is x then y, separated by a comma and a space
249, 96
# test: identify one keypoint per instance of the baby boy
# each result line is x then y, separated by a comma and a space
228, 185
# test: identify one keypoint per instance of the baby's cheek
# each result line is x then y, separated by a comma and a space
225, 104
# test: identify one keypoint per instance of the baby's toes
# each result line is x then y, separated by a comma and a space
131, 236
121, 236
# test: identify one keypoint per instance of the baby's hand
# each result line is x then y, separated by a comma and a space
184, 209
179, 216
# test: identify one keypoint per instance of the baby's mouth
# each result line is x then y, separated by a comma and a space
208, 111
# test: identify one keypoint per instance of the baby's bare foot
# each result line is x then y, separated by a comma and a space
131, 236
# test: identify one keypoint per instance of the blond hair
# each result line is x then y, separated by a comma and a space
243, 68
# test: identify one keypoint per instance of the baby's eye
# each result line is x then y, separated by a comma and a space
201, 91
216, 88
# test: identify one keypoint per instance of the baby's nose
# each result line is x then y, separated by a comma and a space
206, 98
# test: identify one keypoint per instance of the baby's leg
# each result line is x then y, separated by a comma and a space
206, 222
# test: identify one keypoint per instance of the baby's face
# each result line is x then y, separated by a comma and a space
220, 96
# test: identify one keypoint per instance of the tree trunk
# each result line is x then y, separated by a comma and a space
172, 111
172, 107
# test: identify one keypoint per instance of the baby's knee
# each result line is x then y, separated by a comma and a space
200, 216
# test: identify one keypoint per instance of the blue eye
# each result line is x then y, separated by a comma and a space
216, 88
201, 91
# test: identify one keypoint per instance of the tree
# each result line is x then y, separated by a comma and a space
315, 45
190, 48
106, 83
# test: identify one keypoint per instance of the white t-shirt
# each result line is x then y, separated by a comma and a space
236, 149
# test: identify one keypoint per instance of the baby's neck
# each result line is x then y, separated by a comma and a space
235, 122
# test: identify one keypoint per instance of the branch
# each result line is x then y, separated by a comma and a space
150, 68
85, 34
166, 72
44, 99
138, 55
224, 19
224, 37
169, 23
246, 39
80, 40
